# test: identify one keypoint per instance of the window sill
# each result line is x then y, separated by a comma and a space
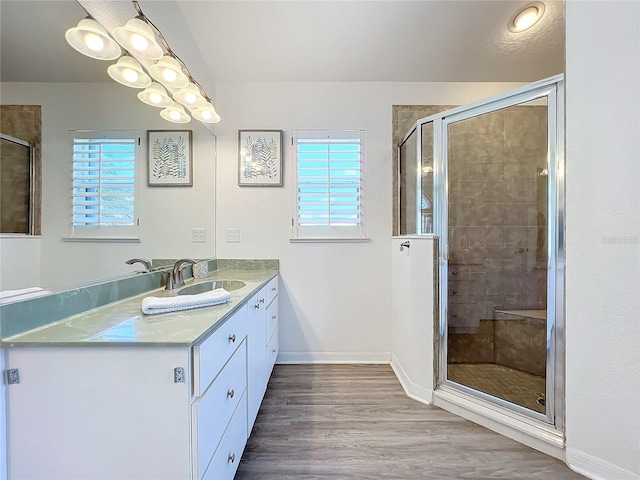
330, 240
19, 235
102, 239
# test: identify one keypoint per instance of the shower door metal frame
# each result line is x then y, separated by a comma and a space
553, 90
32, 179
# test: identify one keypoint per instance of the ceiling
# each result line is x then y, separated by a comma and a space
303, 41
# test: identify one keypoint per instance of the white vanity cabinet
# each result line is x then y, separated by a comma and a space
272, 322
143, 412
262, 345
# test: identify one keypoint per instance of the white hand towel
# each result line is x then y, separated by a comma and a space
154, 305
15, 293
10, 296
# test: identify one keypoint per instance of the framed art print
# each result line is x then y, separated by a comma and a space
260, 158
170, 158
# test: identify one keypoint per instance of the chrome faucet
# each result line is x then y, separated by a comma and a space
143, 261
175, 280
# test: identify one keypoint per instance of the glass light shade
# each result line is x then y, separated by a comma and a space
91, 39
206, 114
169, 73
138, 38
190, 96
175, 113
526, 17
155, 95
128, 72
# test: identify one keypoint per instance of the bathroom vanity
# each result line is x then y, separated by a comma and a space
112, 393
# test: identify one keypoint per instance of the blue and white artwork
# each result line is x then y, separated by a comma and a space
260, 157
170, 158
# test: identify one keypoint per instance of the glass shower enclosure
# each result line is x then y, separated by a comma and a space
487, 179
17, 174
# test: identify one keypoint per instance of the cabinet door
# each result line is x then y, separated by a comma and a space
272, 352
96, 413
271, 290
255, 355
3, 425
213, 411
225, 461
271, 318
210, 356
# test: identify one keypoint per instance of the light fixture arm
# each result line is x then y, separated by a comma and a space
166, 46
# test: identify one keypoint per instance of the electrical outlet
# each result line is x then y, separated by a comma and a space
233, 235
198, 235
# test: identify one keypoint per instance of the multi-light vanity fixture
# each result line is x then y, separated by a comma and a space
173, 89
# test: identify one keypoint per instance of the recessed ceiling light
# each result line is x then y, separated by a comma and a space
526, 17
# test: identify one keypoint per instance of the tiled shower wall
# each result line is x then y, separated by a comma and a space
23, 122
404, 116
497, 215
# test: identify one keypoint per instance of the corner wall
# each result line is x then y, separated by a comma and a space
603, 239
335, 301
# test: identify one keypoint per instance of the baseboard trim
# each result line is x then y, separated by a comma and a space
332, 357
544, 438
595, 468
412, 390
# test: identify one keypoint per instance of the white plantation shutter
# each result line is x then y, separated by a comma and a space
103, 181
329, 183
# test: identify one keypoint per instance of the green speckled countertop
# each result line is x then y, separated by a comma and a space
123, 323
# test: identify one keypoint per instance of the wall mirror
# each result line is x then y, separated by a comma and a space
74, 92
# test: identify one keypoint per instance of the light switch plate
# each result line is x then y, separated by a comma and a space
233, 235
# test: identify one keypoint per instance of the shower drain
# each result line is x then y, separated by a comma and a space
542, 401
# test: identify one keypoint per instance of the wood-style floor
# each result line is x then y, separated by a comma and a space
355, 422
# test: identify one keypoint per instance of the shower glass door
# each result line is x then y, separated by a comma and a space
500, 274
497, 269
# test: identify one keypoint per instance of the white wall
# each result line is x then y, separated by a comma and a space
335, 302
167, 214
412, 329
603, 232
19, 262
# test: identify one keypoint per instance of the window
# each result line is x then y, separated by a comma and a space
103, 179
329, 184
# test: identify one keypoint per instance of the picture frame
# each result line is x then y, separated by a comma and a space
260, 158
169, 158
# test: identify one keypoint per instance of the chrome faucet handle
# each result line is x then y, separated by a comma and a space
175, 279
143, 261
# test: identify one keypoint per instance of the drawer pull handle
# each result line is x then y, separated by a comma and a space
262, 300
274, 317
455, 292
232, 338
232, 458
231, 393
274, 350
454, 273
273, 289
257, 305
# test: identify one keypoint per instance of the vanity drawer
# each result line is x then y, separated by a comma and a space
271, 290
211, 355
272, 352
227, 457
271, 321
212, 412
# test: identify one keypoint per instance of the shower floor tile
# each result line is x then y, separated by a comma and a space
515, 386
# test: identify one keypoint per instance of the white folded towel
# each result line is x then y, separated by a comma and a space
8, 296
154, 305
